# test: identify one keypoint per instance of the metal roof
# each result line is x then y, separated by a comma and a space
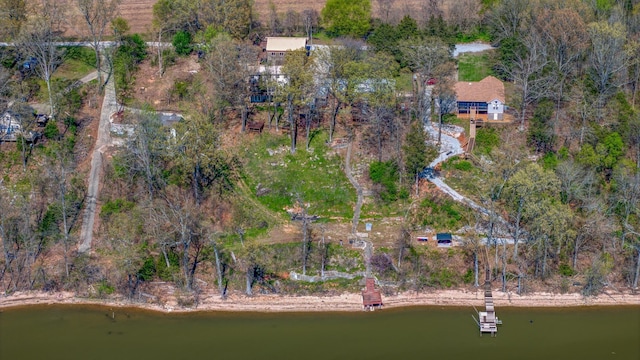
286, 43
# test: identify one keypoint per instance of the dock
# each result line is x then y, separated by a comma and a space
371, 298
488, 321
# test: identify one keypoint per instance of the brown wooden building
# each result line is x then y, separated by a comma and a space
278, 47
371, 298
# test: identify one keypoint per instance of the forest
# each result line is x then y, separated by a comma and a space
207, 205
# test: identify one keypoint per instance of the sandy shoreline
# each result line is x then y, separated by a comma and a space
345, 302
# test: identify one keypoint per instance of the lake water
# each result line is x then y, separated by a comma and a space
79, 332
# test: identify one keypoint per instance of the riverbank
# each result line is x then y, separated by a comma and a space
336, 303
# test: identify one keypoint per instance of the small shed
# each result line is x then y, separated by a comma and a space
371, 298
444, 239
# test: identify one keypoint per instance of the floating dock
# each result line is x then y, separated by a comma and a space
488, 321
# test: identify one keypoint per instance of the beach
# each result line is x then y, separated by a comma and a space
347, 302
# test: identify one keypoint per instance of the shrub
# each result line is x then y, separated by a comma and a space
566, 270
180, 90
550, 161
468, 277
166, 273
115, 206
182, 43
129, 54
148, 269
51, 130
444, 277
385, 173
381, 263
104, 288
440, 213
463, 165
82, 54
49, 224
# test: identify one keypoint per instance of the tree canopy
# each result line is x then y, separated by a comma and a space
347, 17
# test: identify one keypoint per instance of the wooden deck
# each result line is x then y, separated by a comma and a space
371, 298
508, 118
256, 126
488, 321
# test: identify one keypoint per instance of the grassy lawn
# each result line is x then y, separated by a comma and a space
474, 67
314, 177
464, 177
442, 213
404, 82
78, 62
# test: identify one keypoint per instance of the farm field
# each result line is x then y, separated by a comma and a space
139, 12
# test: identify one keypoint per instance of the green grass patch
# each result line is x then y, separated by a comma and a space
474, 67
404, 82
477, 34
78, 62
314, 177
115, 206
322, 36
442, 214
487, 138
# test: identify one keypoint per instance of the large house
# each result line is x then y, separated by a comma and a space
482, 97
278, 47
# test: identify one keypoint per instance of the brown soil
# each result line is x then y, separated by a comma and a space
139, 13
210, 301
152, 89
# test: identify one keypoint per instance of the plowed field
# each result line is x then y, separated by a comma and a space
139, 12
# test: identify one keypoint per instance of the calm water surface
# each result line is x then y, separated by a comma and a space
76, 332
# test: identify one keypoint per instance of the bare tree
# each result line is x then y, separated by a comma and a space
443, 93
13, 13
466, 14
507, 17
336, 64
60, 171
424, 57
608, 59
181, 218
39, 39
145, 152
384, 9
218, 263
566, 35
310, 19
291, 22
274, 19
97, 15
298, 88
529, 71
627, 196
592, 229
228, 62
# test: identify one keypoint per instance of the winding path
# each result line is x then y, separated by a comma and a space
368, 249
451, 147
